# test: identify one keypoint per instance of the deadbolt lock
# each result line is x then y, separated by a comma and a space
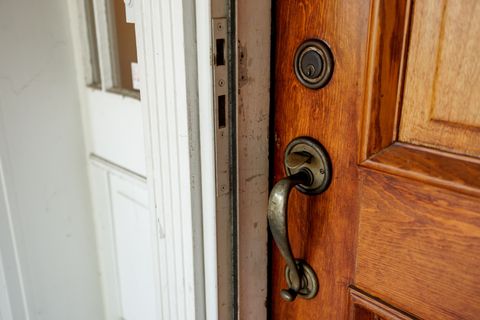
314, 64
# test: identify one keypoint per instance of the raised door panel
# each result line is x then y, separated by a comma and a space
441, 101
126, 242
418, 247
115, 129
419, 177
366, 307
134, 248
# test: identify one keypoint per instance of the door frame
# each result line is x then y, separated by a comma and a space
253, 36
174, 56
173, 40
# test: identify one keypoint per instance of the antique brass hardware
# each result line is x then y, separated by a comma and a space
314, 64
308, 169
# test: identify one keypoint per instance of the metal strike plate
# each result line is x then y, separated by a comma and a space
314, 64
221, 106
307, 154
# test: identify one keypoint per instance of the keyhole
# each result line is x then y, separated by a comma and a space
314, 64
310, 70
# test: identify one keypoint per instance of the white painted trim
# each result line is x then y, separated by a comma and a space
207, 125
115, 168
78, 31
167, 52
106, 42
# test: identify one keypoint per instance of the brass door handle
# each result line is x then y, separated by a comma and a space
309, 170
277, 220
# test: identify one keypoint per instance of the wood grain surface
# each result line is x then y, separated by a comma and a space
322, 228
418, 247
366, 307
442, 89
399, 221
451, 171
388, 41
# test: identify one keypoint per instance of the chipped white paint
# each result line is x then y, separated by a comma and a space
107, 46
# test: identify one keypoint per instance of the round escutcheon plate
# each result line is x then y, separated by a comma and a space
309, 285
319, 164
314, 64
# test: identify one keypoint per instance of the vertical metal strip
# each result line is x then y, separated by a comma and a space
225, 168
232, 66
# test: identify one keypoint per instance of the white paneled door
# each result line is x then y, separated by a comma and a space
126, 229
125, 238
106, 198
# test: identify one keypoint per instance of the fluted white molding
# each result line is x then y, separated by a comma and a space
166, 39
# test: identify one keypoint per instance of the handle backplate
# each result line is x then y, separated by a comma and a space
318, 165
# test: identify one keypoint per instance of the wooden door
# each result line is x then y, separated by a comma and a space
397, 234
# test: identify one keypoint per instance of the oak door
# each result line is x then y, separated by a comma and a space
397, 233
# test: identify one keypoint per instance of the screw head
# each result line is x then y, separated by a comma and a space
221, 82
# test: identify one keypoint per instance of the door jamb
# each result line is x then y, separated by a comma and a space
175, 60
253, 120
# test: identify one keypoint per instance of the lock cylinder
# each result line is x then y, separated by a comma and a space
314, 64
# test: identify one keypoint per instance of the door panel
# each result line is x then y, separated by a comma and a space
366, 307
400, 223
124, 236
115, 147
442, 87
115, 129
418, 247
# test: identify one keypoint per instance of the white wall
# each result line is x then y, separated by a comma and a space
46, 225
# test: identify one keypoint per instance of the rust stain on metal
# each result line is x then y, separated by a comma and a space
242, 66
